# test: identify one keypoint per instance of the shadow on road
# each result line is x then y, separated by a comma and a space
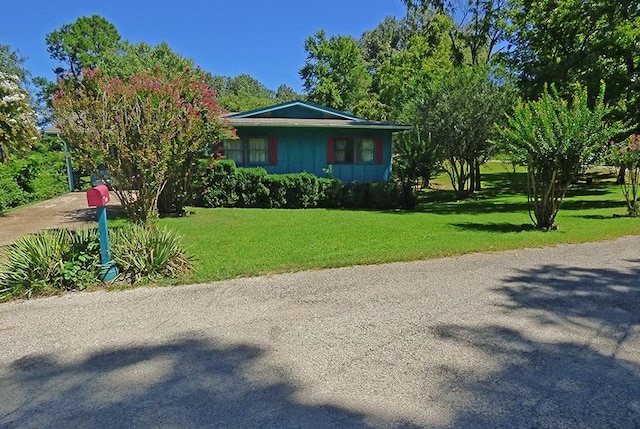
590, 382
185, 383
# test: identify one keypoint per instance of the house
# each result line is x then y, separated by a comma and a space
299, 136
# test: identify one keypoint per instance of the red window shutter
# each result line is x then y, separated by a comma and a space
273, 150
331, 150
379, 150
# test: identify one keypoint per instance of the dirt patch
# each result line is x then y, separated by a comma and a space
67, 211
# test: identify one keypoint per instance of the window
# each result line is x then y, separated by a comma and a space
344, 151
365, 151
352, 150
251, 150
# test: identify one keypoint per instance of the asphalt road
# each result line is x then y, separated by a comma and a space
542, 338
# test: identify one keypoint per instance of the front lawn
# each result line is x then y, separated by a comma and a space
246, 242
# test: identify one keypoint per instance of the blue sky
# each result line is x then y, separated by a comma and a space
261, 38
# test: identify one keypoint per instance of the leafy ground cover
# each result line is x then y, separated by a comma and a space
245, 242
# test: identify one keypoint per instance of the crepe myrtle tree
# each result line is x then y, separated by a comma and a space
626, 155
145, 131
554, 138
18, 127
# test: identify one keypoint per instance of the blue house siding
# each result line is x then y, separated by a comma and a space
306, 150
304, 135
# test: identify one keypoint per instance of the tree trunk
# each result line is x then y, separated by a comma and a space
478, 181
622, 172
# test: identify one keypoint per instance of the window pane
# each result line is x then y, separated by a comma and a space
344, 151
233, 150
366, 151
258, 150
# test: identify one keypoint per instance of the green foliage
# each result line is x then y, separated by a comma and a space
335, 74
458, 111
626, 156
39, 175
12, 63
145, 253
12, 194
50, 262
17, 120
554, 138
416, 159
82, 44
146, 131
221, 184
565, 42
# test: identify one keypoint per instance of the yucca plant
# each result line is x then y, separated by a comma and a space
49, 262
145, 252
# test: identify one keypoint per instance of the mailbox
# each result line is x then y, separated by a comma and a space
98, 196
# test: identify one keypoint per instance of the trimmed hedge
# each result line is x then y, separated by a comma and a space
221, 184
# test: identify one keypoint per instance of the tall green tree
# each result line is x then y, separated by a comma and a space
335, 74
12, 63
480, 26
81, 45
565, 42
459, 111
554, 138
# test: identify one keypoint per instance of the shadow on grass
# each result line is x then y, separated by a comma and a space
504, 227
535, 381
184, 383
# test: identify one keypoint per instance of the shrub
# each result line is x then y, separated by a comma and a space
50, 262
329, 193
355, 195
215, 184
221, 184
385, 195
145, 253
251, 187
12, 194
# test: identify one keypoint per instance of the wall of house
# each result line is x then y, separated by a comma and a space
305, 149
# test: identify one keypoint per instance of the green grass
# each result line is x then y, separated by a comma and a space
230, 243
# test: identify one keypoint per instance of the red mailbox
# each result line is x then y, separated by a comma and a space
98, 196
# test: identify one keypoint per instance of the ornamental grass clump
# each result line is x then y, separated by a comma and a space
145, 253
50, 262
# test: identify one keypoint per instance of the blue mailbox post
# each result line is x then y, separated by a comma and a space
98, 197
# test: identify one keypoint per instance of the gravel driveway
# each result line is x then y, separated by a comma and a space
541, 338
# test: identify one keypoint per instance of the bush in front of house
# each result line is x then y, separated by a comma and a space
221, 184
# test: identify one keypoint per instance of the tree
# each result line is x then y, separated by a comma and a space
565, 42
12, 63
81, 45
400, 72
145, 130
480, 26
335, 74
17, 120
416, 160
459, 111
554, 138
285, 93
626, 156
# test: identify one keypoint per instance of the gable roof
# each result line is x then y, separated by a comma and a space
303, 114
278, 110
